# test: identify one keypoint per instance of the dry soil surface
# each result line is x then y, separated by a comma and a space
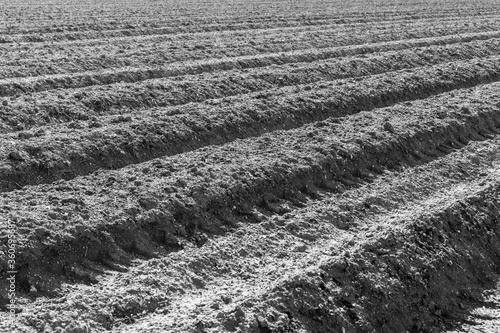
250, 166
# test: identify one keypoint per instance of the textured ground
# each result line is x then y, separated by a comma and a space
279, 166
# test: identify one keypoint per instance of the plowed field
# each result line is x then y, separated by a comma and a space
250, 166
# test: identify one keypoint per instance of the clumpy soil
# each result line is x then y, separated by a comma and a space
337, 171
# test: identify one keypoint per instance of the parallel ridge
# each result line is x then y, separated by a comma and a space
336, 221
129, 137
473, 24
483, 44
153, 206
172, 20
319, 268
200, 18
68, 151
20, 64
84, 57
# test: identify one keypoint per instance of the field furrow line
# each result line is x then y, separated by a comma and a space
484, 44
162, 205
160, 26
102, 57
481, 314
261, 166
22, 54
217, 166
172, 32
429, 255
326, 238
318, 230
263, 36
66, 151
203, 27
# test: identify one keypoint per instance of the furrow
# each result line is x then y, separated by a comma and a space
483, 42
150, 209
47, 154
133, 31
155, 26
156, 53
480, 315
269, 32
173, 32
319, 270
433, 257
255, 266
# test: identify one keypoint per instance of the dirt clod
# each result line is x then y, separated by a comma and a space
242, 166
16, 155
388, 127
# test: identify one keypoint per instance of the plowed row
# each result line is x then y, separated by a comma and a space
429, 46
70, 21
65, 151
335, 170
75, 57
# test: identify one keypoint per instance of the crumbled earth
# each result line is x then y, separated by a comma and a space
271, 167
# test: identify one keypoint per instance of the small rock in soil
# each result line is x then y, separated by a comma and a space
40, 132
25, 135
122, 119
226, 299
95, 124
15, 155
388, 127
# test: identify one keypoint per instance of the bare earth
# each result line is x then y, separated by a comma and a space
246, 166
